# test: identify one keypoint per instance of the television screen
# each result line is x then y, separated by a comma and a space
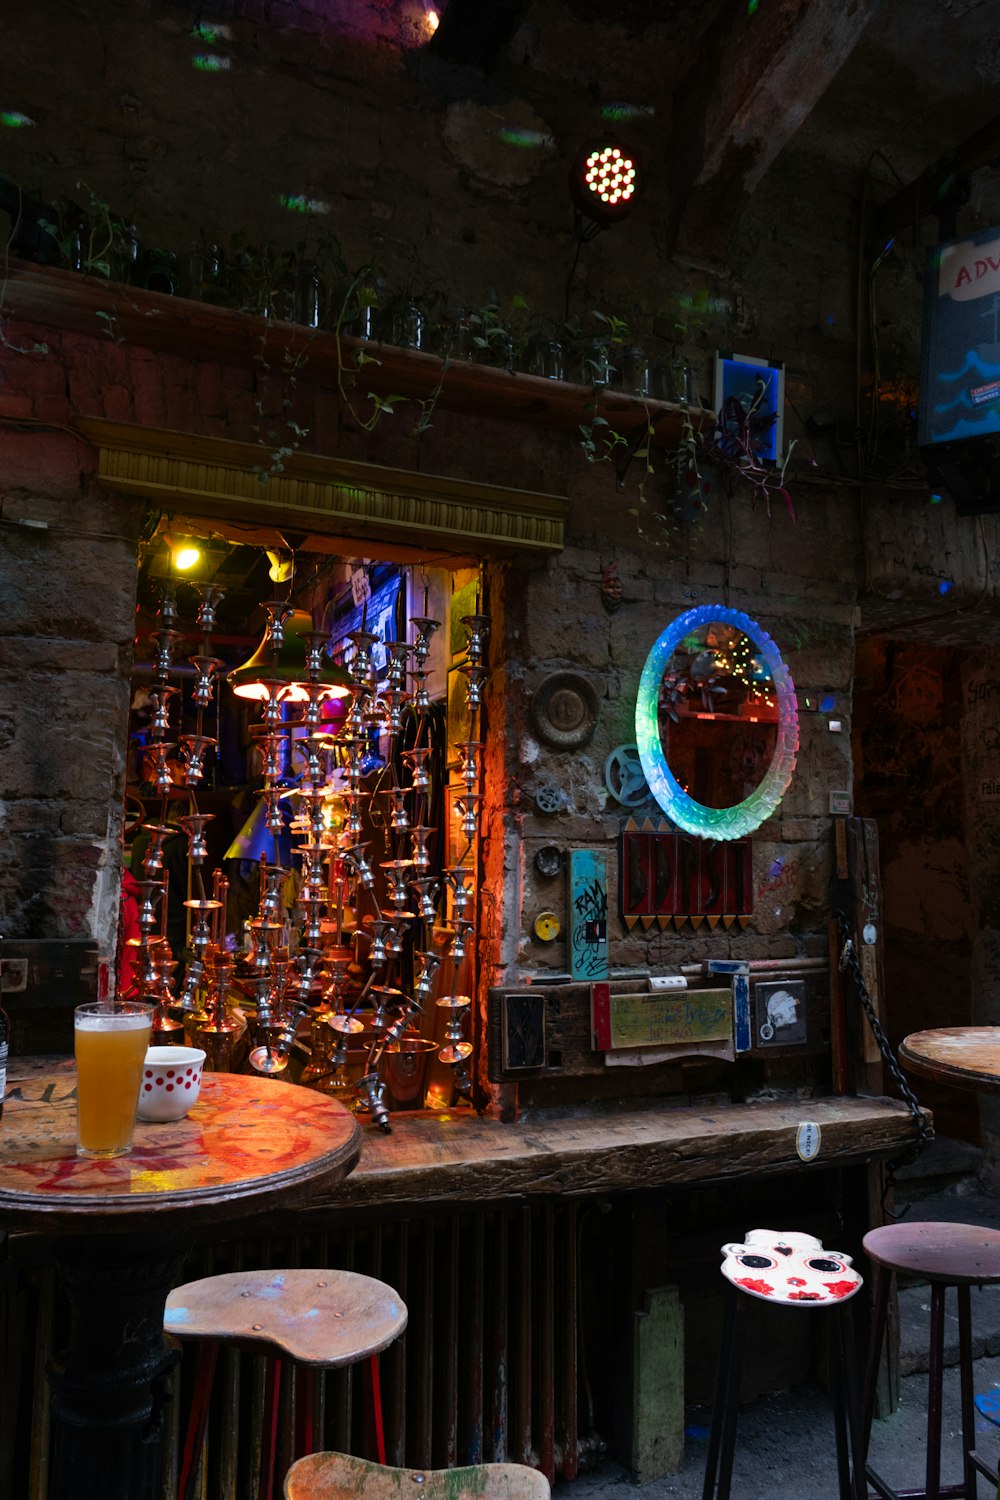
960, 366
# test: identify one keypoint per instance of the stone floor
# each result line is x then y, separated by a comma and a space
785, 1441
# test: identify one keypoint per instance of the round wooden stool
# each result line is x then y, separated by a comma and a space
336, 1476
322, 1319
946, 1255
787, 1269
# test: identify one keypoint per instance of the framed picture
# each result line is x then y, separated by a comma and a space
749, 397
780, 1013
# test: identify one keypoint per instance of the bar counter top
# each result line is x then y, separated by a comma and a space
455, 1156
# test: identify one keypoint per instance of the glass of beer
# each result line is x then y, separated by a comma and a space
111, 1039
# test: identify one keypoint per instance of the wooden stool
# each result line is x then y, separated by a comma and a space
336, 1476
790, 1270
319, 1318
958, 1255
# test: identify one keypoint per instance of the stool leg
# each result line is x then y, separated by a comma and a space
305, 1409
935, 1380
837, 1382
965, 1379
269, 1435
858, 1472
722, 1434
847, 1415
374, 1384
194, 1435
880, 1314
719, 1395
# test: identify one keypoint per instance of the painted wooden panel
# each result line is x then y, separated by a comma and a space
657, 1020
588, 913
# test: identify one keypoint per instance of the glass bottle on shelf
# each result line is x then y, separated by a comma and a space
547, 358
635, 376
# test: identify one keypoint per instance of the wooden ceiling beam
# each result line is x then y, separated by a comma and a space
759, 74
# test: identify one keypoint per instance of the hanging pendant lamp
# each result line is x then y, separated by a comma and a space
288, 658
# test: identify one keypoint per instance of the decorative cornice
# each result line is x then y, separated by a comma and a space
416, 514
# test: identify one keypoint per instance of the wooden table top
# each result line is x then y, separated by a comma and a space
248, 1144
967, 1056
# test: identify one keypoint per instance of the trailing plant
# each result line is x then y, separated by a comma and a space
735, 448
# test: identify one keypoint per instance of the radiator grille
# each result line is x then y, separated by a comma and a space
486, 1371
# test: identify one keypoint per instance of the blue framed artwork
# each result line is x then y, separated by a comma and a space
750, 402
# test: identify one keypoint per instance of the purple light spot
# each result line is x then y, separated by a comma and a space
777, 865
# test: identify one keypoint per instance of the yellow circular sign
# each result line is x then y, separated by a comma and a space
546, 926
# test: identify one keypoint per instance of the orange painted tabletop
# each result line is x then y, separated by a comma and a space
967, 1056
248, 1144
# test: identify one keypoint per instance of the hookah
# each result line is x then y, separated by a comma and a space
361, 827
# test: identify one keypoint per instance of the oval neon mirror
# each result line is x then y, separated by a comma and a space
716, 723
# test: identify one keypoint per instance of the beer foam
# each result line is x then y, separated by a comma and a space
112, 1020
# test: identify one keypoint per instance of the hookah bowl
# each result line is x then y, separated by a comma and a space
425, 628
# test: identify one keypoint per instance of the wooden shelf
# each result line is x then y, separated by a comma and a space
87, 305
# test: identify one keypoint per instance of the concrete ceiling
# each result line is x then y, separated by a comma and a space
904, 83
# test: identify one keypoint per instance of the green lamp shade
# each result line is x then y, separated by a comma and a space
282, 666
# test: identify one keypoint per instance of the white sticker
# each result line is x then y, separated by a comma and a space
807, 1139
869, 933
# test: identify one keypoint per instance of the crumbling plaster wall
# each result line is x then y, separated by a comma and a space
456, 186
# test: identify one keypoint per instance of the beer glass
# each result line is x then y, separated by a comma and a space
111, 1038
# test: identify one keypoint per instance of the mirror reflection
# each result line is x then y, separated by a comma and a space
717, 714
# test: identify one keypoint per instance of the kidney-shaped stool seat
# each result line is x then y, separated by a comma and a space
337, 1476
787, 1269
320, 1318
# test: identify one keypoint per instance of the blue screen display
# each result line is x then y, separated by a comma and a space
960, 364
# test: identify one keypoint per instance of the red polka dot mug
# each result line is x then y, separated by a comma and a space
171, 1082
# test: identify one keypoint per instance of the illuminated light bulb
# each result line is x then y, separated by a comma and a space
604, 180
433, 20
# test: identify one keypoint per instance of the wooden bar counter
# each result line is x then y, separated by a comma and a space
455, 1157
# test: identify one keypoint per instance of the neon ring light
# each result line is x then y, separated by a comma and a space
694, 817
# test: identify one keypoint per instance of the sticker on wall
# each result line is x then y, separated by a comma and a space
780, 1013
587, 909
807, 1140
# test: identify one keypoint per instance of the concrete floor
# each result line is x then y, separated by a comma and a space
784, 1447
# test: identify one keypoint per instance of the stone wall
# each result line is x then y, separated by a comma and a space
455, 186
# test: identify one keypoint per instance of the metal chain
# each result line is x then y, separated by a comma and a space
850, 964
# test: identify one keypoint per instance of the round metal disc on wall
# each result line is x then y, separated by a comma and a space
546, 926
564, 710
548, 860
550, 799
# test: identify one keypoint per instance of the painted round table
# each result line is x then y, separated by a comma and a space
119, 1233
967, 1056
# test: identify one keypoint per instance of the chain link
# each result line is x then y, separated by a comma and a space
850, 964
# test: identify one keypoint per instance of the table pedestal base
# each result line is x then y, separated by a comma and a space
110, 1384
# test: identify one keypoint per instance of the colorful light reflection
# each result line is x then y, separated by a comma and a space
14, 119
683, 810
